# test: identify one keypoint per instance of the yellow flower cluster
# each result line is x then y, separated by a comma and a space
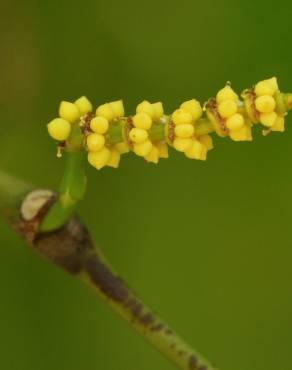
101, 154
265, 104
108, 134
147, 115
183, 134
227, 115
69, 113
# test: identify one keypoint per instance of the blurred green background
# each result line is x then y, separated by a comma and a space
208, 245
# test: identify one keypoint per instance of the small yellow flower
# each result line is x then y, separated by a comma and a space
184, 130
142, 120
146, 107
267, 87
69, 111
268, 119
235, 122
143, 149
162, 149
138, 135
59, 129
83, 104
226, 93
158, 111
265, 104
105, 111
182, 145
197, 151
99, 159
227, 108
114, 159
95, 142
99, 125
193, 107
180, 117
153, 155
243, 134
117, 108
279, 125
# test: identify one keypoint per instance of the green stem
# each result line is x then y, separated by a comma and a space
72, 190
68, 251
98, 274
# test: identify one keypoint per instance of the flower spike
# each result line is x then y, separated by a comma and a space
108, 134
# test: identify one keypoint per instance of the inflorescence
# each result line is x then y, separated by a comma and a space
108, 133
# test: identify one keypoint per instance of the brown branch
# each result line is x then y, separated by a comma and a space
72, 248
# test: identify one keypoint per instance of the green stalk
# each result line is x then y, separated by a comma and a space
70, 247
72, 190
98, 274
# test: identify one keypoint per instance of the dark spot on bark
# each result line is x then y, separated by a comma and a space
146, 319
112, 286
157, 327
193, 362
173, 345
115, 288
168, 331
181, 353
134, 306
203, 368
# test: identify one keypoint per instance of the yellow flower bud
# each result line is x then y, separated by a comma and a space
99, 125
138, 135
105, 111
185, 130
193, 107
279, 124
182, 144
264, 88
145, 107
59, 129
142, 120
153, 155
207, 141
227, 108
114, 159
180, 117
99, 159
226, 93
158, 111
118, 108
84, 105
267, 87
235, 122
95, 142
243, 134
69, 111
197, 151
273, 81
162, 149
143, 149
268, 119
265, 104
122, 148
